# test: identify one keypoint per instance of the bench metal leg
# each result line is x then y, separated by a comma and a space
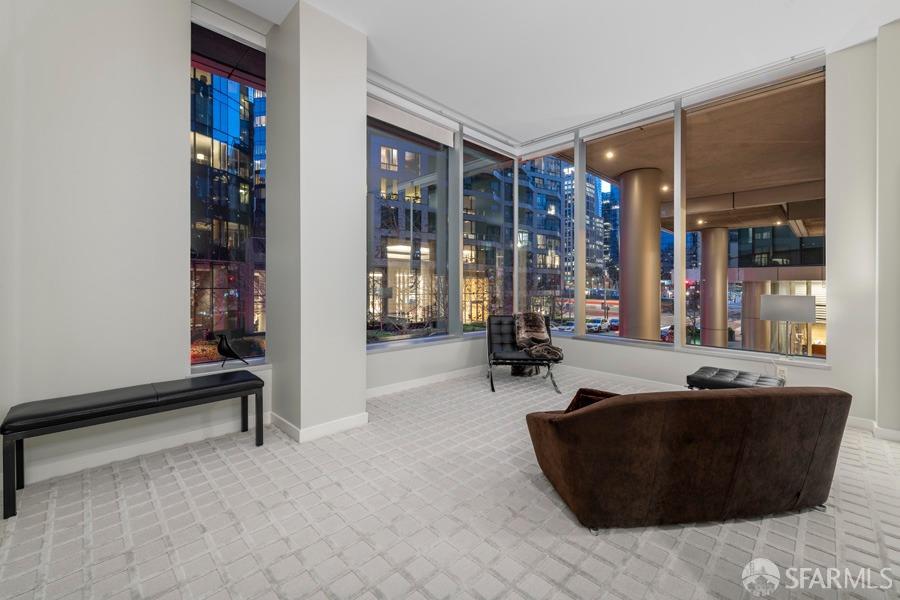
491, 376
259, 419
553, 379
20, 463
9, 477
245, 408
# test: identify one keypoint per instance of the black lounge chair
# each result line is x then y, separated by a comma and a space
503, 350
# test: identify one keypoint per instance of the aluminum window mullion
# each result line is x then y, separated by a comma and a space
580, 234
515, 239
454, 233
679, 212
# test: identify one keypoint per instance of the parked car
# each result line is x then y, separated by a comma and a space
667, 334
597, 325
567, 326
614, 324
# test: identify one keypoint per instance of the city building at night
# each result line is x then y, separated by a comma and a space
228, 215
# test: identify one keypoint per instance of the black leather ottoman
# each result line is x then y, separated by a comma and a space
712, 378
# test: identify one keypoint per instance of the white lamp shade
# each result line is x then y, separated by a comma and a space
796, 309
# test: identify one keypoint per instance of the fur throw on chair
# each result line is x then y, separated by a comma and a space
544, 351
530, 330
533, 338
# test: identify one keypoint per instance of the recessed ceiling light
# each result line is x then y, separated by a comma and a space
665, 188
778, 222
700, 222
610, 154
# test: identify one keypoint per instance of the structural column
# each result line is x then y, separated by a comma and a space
756, 334
639, 227
714, 287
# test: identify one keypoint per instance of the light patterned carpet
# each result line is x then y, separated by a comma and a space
438, 497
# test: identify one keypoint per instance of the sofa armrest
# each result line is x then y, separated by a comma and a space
586, 397
548, 448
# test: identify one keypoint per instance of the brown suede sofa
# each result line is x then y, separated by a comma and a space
681, 457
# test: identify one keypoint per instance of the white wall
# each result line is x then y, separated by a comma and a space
8, 225
850, 222
666, 365
888, 103
320, 184
390, 366
98, 99
283, 213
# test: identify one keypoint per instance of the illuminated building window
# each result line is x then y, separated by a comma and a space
389, 159
388, 188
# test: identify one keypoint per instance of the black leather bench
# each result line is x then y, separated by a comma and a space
41, 417
713, 378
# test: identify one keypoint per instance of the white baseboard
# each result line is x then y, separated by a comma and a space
887, 434
286, 426
401, 386
881, 433
313, 432
36, 471
860, 423
628, 378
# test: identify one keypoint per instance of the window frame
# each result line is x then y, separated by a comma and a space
674, 106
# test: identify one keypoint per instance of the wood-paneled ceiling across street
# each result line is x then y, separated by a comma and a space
771, 138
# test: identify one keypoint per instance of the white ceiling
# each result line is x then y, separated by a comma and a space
529, 68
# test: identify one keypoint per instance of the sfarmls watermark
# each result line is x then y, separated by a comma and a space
761, 577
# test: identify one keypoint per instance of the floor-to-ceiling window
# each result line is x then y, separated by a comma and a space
756, 218
601, 255
228, 228
488, 238
545, 239
629, 250
406, 202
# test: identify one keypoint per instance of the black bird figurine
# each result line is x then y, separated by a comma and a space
227, 351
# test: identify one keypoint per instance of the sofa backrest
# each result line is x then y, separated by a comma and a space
709, 452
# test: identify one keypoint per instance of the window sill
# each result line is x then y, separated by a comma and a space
802, 362
612, 339
256, 364
381, 347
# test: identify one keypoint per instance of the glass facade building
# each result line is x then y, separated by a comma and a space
228, 224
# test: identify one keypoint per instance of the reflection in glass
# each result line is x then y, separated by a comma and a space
544, 244
407, 233
487, 236
228, 260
